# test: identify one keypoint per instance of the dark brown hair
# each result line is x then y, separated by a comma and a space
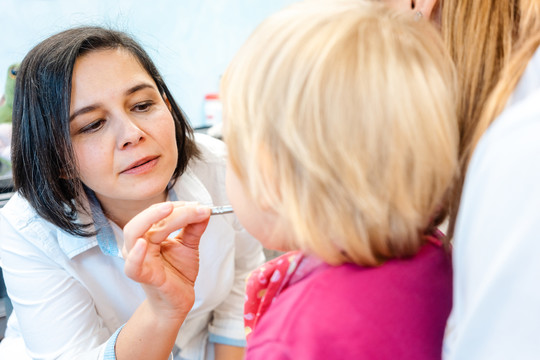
44, 167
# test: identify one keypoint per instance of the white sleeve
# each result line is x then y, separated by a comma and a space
227, 326
56, 314
496, 310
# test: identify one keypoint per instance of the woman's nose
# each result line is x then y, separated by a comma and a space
129, 133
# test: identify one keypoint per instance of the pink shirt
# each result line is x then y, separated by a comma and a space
315, 311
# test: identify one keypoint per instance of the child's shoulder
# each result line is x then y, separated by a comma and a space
368, 307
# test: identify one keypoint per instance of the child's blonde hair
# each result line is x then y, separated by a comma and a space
340, 118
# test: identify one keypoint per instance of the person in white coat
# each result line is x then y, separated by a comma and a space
494, 45
496, 313
97, 139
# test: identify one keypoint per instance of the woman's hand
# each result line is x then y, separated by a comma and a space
166, 267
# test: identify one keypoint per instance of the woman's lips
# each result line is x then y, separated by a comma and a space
141, 166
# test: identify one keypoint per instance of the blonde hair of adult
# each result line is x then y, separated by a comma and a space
340, 118
491, 42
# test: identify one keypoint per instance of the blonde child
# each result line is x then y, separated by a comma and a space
343, 142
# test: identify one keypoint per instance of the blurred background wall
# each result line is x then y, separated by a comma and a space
191, 41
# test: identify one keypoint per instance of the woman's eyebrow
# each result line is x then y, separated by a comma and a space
83, 110
93, 107
138, 87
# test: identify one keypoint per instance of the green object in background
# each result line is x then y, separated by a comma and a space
5, 167
6, 103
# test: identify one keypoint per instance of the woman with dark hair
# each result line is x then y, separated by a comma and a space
97, 139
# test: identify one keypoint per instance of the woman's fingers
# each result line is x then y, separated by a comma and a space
187, 216
146, 234
135, 259
191, 234
138, 226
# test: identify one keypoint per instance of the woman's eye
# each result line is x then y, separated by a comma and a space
93, 126
143, 106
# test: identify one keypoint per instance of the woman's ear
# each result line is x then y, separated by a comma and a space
167, 102
421, 8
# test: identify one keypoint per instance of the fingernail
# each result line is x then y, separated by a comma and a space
202, 210
164, 207
139, 247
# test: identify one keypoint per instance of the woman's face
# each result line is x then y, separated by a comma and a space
122, 130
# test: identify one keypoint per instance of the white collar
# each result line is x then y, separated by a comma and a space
188, 186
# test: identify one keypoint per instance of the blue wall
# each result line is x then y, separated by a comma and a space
191, 41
